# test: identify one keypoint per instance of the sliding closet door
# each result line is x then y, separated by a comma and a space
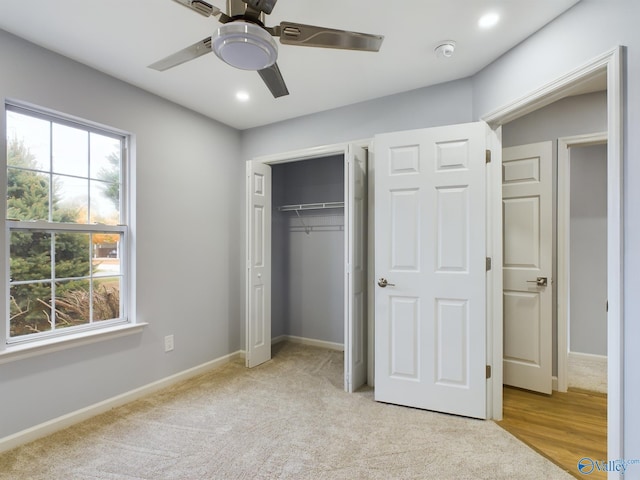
258, 295
355, 374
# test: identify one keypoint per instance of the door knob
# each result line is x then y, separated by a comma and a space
383, 283
539, 281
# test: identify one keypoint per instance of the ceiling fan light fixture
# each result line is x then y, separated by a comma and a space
244, 45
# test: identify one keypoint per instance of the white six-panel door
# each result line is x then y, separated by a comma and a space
258, 294
430, 223
527, 237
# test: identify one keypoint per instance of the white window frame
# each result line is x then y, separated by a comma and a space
27, 345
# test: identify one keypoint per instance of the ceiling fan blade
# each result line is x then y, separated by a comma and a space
274, 81
313, 36
200, 6
194, 51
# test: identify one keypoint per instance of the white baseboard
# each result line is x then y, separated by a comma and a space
64, 421
308, 341
587, 371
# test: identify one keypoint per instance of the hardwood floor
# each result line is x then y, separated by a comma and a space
564, 427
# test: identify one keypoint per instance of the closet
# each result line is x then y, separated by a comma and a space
307, 251
306, 254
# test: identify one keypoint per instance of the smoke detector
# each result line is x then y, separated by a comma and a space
445, 49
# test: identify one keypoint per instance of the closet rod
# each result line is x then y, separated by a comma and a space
310, 206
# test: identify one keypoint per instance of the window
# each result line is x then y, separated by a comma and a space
66, 226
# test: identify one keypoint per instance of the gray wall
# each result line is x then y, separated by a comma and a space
308, 268
426, 107
588, 257
188, 184
567, 117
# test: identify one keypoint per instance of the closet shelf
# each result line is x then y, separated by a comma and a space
310, 206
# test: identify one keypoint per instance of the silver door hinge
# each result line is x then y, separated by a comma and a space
488, 371
487, 157
488, 263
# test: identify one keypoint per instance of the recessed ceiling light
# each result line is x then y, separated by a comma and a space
242, 96
489, 20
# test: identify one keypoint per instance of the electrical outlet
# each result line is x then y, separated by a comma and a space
168, 343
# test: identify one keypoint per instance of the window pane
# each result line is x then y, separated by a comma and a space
106, 254
70, 150
27, 195
30, 254
73, 254
106, 299
28, 144
30, 310
105, 203
71, 199
73, 303
105, 158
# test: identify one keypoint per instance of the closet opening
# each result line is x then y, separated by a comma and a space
307, 255
307, 252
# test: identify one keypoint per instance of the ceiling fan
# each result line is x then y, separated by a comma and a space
243, 41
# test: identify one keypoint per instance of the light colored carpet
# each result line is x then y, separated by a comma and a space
287, 419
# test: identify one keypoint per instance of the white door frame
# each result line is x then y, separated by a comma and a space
564, 200
610, 64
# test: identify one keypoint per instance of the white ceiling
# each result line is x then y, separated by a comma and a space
122, 37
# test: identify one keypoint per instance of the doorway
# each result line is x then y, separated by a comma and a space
536, 334
582, 262
307, 245
549, 126
608, 67
342, 199
576, 417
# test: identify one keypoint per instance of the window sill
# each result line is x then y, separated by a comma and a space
31, 349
